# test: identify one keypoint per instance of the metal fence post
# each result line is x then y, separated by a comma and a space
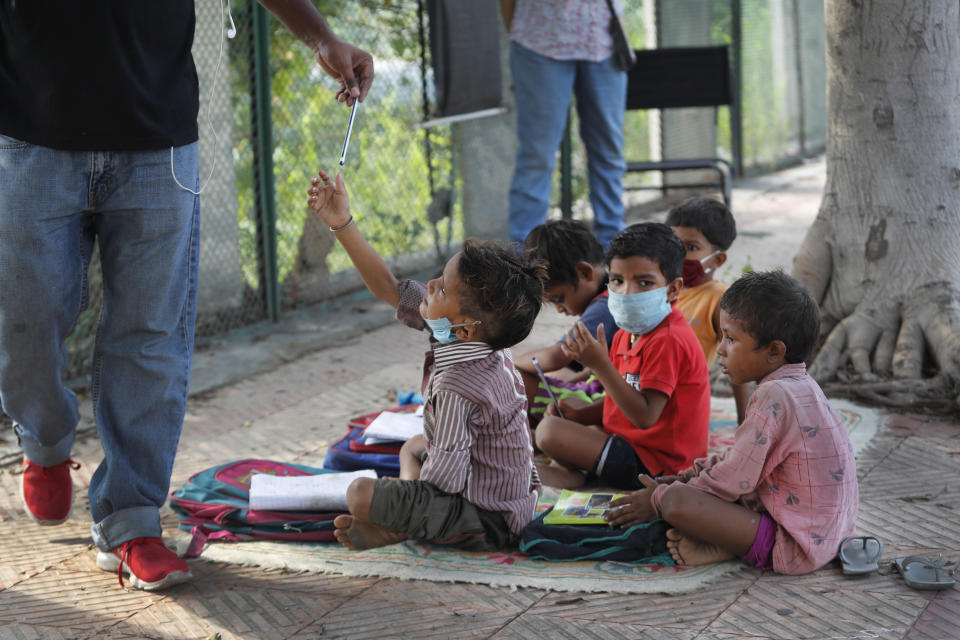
566, 172
736, 112
798, 68
263, 162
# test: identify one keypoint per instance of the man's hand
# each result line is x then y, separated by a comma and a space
634, 508
350, 66
583, 347
329, 200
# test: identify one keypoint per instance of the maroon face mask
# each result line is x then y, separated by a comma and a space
693, 271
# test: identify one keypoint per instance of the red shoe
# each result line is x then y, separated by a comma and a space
148, 563
47, 492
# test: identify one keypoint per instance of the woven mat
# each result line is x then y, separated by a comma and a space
420, 561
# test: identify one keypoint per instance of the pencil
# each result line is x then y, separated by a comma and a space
346, 140
543, 379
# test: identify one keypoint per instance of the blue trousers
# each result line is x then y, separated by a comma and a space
543, 88
53, 205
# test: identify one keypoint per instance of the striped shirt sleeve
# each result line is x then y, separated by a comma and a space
448, 455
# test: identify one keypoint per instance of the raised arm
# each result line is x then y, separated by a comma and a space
332, 205
350, 66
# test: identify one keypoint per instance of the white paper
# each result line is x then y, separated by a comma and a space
324, 492
394, 426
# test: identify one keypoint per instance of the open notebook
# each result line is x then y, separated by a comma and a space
390, 426
325, 492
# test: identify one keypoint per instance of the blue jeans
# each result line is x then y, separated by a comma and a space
53, 206
542, 88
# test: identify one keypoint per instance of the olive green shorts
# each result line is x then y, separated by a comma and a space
420, 510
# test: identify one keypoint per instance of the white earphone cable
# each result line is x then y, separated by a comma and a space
210, 127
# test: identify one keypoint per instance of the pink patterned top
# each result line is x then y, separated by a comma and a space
792, 459
564, 29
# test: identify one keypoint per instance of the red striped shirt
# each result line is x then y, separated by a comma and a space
474, 422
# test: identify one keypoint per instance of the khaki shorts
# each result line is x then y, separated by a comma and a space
420, 510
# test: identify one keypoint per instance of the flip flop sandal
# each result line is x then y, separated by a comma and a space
921, 572
860, 555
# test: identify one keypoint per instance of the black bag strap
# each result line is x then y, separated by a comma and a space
621, 44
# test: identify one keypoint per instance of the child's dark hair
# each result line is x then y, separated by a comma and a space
503, 291
562, 244
774, 306
653, 240
710, 217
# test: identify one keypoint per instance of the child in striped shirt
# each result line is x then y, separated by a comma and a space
469, 481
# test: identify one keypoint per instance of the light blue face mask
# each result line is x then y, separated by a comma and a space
639, 312
443, 329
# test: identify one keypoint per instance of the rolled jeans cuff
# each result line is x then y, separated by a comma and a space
125, 525
45, 456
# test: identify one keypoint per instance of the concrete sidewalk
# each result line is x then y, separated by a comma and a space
285, 392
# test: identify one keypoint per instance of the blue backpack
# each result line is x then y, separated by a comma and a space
215, 505
349, 453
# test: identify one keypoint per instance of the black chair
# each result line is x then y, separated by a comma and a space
682, 77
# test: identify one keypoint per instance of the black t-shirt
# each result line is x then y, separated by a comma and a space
98, 75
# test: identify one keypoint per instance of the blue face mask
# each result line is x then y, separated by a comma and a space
443, 329
639, 312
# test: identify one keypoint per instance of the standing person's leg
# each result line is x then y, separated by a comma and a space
45, 248
601, 92
542, 90
148, 229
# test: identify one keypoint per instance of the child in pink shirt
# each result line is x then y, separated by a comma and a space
785, 494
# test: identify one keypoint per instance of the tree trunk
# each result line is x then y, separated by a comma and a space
883, 256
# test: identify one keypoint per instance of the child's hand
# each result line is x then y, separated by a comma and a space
329, 200
634, 508
583, 347
571, 407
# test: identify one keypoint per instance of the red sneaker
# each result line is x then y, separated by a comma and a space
148, 563
47, 492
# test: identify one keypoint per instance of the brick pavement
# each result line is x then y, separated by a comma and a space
910, 489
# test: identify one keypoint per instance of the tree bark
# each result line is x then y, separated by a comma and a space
883, 255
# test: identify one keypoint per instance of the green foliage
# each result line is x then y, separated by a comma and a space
386, 171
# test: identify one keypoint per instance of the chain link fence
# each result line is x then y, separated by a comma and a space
778, 62
777, 52
262, 250
269, 120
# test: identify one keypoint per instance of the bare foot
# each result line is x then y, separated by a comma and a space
357, 535
692, 552
556, 475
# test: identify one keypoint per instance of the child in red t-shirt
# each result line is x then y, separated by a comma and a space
655, 416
